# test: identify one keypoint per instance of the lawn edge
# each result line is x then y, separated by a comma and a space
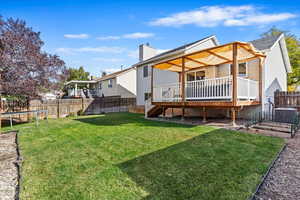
264, 177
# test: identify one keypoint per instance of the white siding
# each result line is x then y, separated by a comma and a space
144, 83
275, 74
127, 84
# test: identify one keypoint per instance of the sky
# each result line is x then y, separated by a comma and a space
105, 35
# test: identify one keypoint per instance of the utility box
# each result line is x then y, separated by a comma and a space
285, 115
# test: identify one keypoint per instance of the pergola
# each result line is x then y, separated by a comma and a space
231, 53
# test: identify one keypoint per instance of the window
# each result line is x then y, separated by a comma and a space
145, 71
242, 69
190, 76
198, 75
110, 83
147, 96
100, 86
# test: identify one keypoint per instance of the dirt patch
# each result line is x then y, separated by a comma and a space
9, 171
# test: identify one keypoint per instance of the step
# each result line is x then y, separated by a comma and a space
270, 128
275, 124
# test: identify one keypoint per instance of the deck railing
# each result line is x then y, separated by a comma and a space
207, 89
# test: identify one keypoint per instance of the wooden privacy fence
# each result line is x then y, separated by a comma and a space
287, 100
64, 107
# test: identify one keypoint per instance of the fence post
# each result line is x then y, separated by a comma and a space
58, 108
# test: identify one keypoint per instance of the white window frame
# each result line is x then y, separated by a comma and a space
110, 83
195, 71
146, 66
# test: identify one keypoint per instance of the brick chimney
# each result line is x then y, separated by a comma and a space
146, 52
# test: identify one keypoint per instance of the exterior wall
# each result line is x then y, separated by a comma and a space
144, 83
274, 69
222, 70
253, 69
126, 84
113, 91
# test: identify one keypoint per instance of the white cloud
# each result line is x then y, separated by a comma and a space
210, 16
102, 49
113, 60
109, 38
138, 35
77, 36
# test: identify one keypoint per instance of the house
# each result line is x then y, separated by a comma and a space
148, 56
121, 83
207, 79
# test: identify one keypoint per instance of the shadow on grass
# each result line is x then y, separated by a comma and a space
116, 119
209, 166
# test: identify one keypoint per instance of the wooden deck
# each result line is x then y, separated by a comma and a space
220, 104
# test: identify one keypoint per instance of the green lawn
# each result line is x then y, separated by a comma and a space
123, 156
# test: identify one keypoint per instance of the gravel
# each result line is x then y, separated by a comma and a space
8, 167
283, 182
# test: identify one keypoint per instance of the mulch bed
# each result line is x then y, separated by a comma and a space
9, 171
283, 181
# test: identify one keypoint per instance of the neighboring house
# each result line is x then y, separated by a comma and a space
121, 83
213, 80
148, 56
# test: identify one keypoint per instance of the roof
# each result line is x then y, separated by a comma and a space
113, 75
265, 43
211, 57
78, 81
183, 47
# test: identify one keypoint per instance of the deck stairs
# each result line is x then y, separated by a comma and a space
155, 111
273, 126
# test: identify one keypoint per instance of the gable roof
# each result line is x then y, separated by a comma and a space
115, 74
178, 49
265, 43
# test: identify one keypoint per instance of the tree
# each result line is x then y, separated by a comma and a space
293, 46
24, 68
103, 73
78, 74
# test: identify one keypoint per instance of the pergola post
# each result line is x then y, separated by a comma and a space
234, 69
183, 86
234, 73
260, 79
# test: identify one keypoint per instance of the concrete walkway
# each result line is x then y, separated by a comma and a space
8, 168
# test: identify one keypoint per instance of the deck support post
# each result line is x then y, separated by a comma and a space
234, 71
204, 115
233, 116
183, 87
183, 113
260, 80
164, 111
151, 96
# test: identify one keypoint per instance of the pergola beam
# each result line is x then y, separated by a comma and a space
196, 61
177, 65
217, 55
